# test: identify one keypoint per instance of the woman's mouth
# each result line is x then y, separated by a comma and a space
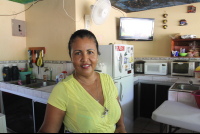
85, 66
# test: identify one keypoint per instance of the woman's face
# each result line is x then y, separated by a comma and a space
84, 56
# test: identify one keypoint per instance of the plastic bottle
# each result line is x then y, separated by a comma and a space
15, 72
6, 73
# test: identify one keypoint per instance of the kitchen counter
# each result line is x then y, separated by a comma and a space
37, 95
166, 78
42, 94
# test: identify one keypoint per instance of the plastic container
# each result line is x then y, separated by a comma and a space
15, 72
23, 75
6, 73
197, 74
183, 54
197, 97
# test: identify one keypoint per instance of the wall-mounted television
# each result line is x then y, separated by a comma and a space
136, 29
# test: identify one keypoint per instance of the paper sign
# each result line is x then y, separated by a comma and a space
120, 48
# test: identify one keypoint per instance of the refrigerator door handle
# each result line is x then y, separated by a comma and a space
121, 94
121, 63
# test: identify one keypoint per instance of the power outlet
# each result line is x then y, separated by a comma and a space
87, 22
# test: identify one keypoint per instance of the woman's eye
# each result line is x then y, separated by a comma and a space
78, 53
90, 52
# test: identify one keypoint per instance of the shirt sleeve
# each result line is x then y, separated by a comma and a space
59, 97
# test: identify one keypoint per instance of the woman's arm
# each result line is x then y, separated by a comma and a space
53, 120
120, 128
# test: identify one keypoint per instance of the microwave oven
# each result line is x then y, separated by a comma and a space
183, 68
155, 68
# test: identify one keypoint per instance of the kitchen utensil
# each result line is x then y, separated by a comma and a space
42, 59
39, 61
30, 54
34, 60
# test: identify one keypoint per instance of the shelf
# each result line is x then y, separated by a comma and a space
176, 44
184, 57
38, 48
182, 40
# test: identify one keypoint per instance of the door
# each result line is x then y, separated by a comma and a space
161, 94
147, 100
40, 110
19, 113
123, 60
126, 97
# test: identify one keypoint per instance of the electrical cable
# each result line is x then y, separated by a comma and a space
67, 13
118, 10
24, 10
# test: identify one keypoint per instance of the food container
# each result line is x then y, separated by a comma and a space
196, 54
23, 75
197, 74
197, 97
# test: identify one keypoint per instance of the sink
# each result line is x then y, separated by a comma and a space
185, 87
34, 84
40, 84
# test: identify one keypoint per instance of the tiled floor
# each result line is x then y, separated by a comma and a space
144, 125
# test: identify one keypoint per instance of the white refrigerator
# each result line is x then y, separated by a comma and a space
117, 60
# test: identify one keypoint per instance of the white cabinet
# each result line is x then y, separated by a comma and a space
3, 128
184, 97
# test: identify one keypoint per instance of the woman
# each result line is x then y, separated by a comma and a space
86, 101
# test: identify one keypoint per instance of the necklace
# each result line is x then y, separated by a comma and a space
88, 90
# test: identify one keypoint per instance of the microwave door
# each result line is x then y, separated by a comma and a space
180, 68
152, 69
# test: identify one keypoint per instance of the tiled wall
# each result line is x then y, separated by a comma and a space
57, 68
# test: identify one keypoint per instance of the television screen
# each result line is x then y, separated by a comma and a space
139, 29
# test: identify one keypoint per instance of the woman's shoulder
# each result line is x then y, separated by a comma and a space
68, 79
66, 82
105, 77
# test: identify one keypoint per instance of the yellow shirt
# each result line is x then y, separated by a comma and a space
83, 112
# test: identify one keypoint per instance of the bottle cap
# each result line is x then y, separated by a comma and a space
14, 64
5, 65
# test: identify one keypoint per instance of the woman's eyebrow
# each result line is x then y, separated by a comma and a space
77, 50
90, 49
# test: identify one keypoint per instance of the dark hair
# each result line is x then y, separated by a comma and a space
82, 34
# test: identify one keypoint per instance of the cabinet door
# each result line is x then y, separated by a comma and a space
147, 100
161, 94
136, 101
40, 110
19, 113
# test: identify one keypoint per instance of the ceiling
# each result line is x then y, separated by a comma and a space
23, 1
136, 5
140, 5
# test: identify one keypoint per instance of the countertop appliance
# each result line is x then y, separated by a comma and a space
155, 68
117, 61
139, 67
183, 68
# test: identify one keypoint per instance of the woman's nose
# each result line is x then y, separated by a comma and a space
84, 57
